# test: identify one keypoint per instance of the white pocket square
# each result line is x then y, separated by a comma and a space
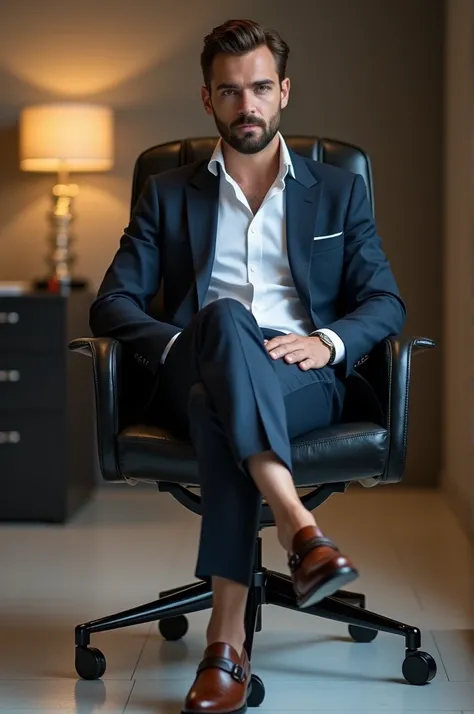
331, 235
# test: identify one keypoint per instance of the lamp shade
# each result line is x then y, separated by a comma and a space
66, 137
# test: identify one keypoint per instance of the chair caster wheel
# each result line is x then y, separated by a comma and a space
173, 628
419, 667
362, 634
257, 693
90, 662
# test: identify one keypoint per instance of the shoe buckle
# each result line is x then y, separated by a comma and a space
238, 673
294, 561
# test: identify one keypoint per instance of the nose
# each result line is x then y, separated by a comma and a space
246, 103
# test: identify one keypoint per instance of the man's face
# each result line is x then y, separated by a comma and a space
246, 99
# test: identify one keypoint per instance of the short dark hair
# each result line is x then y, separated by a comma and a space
237, 37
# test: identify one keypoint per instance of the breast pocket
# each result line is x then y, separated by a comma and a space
327, 242
327, 262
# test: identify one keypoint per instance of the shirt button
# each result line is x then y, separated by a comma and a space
252, 270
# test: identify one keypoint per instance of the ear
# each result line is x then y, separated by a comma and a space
206, 100
285, 93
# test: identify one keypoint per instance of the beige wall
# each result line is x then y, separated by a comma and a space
458, 466
367, 71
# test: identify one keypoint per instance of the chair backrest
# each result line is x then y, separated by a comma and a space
185, 151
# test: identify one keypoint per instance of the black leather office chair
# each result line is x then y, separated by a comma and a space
368, 447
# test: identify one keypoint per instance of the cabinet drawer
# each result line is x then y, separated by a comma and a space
32, 465
31, 323
32, 381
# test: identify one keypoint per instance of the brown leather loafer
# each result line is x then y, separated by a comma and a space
222, 683
318, 569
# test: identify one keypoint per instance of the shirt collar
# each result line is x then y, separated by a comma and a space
286, 164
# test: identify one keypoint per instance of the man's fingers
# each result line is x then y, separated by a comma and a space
281, 340
296, 349
283, 350
296, 356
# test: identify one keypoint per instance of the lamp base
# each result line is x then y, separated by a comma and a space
60, 257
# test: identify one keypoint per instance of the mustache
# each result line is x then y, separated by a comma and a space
245, 120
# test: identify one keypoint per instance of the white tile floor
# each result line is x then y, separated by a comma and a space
125, 546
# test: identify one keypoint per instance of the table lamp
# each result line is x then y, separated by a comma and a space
64, 138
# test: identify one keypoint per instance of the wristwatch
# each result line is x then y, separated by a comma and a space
329, 343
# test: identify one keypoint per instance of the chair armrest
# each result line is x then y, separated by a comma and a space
107, 357
388, 370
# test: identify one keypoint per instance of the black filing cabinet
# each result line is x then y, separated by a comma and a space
47, 448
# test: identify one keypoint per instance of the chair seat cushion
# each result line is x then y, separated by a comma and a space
342, 452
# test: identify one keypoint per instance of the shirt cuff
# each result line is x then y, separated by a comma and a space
338, 344
168, 347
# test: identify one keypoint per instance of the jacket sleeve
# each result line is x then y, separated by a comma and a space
130, 282
374, 308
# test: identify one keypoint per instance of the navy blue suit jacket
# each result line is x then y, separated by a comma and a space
344, 283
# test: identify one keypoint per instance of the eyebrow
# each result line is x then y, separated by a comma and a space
258, 83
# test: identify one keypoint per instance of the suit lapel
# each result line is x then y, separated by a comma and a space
202, 198
303, 196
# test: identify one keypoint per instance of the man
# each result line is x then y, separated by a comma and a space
258, 249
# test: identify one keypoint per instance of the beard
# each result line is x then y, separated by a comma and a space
249, 141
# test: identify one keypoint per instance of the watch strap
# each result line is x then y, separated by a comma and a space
329, 343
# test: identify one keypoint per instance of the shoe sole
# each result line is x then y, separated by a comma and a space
328, 587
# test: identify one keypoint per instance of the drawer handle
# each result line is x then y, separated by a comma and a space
10, 317
9, 437
9, 375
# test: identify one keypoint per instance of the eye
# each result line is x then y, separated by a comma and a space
263, 88
228, 92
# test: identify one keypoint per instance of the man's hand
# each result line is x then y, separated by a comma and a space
306, 352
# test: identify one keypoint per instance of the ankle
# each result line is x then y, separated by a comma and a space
230, 633
295, 518
226, 624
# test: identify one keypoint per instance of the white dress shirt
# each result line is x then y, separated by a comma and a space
251, 257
